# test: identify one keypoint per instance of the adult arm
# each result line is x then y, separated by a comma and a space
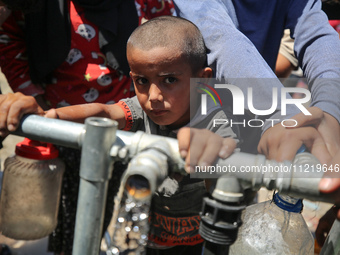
234, 58
317, 47
286, 60
231, 54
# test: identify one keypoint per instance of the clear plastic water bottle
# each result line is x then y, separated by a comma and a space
274, 227
31, 191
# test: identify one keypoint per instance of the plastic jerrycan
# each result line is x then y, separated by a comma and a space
31, 191
274, 227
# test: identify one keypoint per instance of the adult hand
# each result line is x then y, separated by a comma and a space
281, 143
327, 126
13, 107
201, 147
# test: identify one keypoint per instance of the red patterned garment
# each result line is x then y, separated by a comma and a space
84, 76
148, 9
335, 24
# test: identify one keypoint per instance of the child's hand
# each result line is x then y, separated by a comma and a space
201, 147
12, 108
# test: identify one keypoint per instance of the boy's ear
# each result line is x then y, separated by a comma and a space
206, 72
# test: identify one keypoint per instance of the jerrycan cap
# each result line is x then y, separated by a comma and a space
36, 150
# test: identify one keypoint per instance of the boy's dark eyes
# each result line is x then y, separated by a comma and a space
170, 80
167, 80
141, 81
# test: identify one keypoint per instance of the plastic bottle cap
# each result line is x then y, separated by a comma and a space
36, 150
295, 205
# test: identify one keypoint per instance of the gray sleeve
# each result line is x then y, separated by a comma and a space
317, 47
218, 123
232, 55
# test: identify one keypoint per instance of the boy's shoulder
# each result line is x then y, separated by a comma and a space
217, 121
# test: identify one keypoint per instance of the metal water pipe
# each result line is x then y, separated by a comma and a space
97, 140
95, 172
304, 185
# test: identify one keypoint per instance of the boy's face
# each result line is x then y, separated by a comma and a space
162, 84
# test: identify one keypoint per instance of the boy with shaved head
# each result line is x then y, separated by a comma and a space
163, 54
